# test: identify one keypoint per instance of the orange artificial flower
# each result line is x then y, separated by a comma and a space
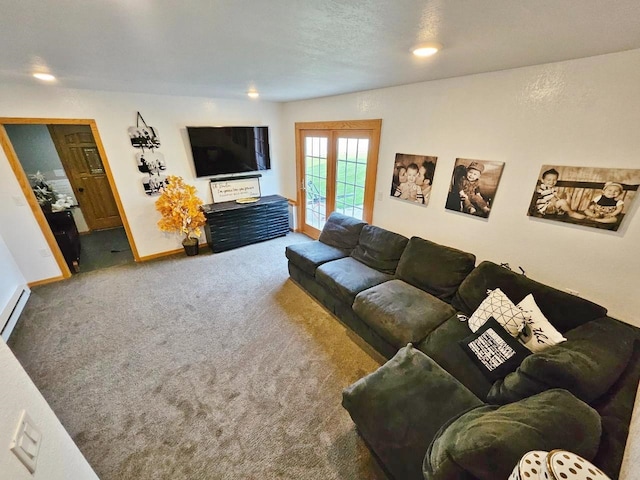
180, 208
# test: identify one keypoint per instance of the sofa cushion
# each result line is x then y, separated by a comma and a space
488, 441
442, 346
399, 408
347, 277
379, 248
309, 255
564, 311
401, 313
587, 364
434, 268
493, 350
341, 231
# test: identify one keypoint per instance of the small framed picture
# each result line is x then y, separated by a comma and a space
144, 137
473, 186
154, 184
151, 162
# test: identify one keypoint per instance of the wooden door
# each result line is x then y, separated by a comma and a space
82, 163
315, 173
337, 166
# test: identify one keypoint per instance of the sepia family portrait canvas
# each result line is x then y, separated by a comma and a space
413, 177
473, 186
589, 196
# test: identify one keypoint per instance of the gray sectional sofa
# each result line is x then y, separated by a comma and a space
429, 412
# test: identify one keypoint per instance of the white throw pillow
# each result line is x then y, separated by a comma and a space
498, 306
538, 333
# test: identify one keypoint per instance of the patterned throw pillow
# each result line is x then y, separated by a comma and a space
498, 306
538, 333
494, 351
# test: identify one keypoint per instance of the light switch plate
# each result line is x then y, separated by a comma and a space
26, 442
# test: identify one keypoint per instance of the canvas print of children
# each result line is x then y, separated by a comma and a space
588, 196
606, 207
473, 186
413, 177
144, 137
154, 184
151, 162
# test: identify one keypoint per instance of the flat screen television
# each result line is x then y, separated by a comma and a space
227, 150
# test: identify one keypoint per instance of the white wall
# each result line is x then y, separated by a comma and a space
583, 112
13, 291
58, 458
114, 113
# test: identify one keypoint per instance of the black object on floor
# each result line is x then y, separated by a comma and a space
104, 248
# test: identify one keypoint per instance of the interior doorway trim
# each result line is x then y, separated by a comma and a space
25, 185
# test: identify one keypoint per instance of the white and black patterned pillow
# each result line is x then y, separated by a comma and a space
494, 351
538, 333
498, 306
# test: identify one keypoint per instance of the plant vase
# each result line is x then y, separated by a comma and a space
191, 246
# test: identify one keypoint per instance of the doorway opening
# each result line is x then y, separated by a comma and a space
64, 173
336, 171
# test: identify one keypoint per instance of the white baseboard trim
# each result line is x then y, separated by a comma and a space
11, 312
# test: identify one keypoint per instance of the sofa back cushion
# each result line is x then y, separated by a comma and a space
563, 310
341, 231
379, 248
434, 268
486, 442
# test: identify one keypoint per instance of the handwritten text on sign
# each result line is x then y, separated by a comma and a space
228, 190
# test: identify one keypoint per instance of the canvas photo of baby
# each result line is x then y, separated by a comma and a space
588, 196
473, 186
413, 177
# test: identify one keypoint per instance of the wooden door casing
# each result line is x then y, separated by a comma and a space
334, 130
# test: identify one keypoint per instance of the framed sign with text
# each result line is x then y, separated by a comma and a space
232, 188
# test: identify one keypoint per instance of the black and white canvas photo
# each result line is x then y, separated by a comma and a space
144, 137
589, 196
151, 162
473, 186
413, 177
154, 184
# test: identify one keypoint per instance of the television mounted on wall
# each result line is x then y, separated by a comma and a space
229, 150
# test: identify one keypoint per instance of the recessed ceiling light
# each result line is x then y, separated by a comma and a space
47, 77
426, 49
253, 94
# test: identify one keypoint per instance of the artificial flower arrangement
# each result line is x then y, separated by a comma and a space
47, 197
180, 209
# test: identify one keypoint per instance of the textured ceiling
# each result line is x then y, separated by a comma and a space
292, 50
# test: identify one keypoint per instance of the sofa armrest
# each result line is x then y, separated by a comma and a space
487, 442
399, 408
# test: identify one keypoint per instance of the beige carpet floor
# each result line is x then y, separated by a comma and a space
208, 367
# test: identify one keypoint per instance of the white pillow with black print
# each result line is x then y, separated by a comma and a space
538, 333
498, 306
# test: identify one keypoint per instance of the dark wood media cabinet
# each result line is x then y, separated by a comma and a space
232, 225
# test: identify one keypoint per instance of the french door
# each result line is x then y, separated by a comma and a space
336, 171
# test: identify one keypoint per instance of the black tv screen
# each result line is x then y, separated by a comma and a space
225, 150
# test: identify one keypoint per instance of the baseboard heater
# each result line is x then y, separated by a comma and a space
11, 312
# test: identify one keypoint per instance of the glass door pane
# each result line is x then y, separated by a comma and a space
351, 173
315, 181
